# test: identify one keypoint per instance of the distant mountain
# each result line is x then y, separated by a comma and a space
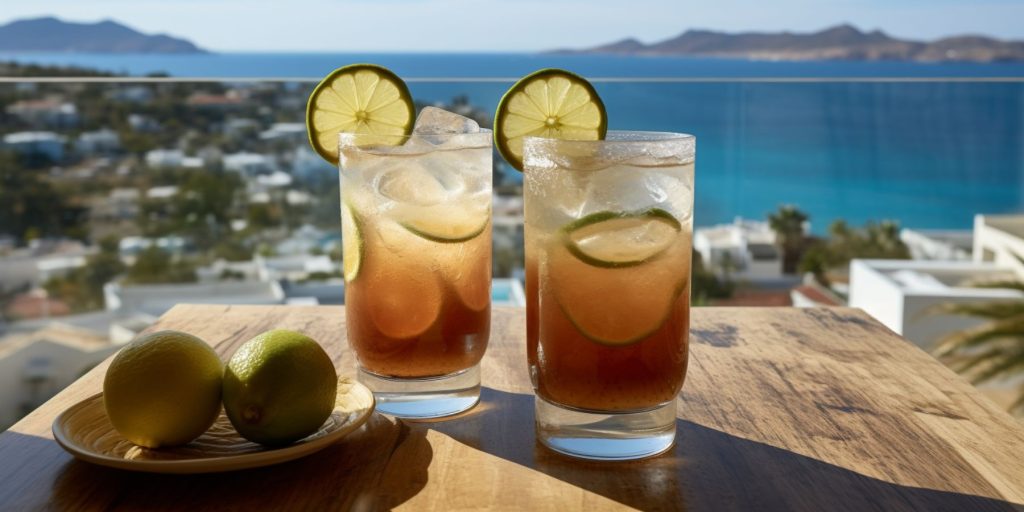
54, 35
842, 42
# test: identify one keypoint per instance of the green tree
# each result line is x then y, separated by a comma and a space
876, 240
82, 289
32, 207
788, 224
264, 216
705, 284
233, 249
103, 267
991, 350
817, 261
201, 210
155, 266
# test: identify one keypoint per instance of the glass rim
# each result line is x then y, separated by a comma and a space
623, 136
619, 147
347, 141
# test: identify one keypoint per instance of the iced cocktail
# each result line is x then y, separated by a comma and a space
608, 250
417, 254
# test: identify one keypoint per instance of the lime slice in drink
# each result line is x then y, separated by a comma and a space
619, 306
351, 244
621, 239
473, 282
445, 223
363, 99
550, 103
401, 298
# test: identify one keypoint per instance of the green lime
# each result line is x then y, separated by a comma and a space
279, 387
351, 244
621, 239
163, 389
618, 305
361, 98
550, 103
446, 223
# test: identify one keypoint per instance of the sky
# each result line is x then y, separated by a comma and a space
512, 25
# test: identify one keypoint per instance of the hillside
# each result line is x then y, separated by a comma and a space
54, 35
842, 42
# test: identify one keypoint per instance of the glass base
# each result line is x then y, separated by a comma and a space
424, 398
606, 436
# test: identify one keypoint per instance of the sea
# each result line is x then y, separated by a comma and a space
928, 145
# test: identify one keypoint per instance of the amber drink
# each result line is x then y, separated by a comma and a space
416, 231
608, 249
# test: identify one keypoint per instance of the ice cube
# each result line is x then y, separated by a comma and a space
622, 189
437, 121
412, 185
420, 183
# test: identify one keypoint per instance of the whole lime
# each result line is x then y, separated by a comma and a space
279, 387
163, 389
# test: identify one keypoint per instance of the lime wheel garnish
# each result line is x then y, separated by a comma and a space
551, 103
364, 99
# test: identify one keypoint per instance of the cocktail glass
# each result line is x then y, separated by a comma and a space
417, 234
608, 250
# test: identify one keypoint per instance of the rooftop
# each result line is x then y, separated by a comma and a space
29, 137
1012, 224
74, 337
959, 278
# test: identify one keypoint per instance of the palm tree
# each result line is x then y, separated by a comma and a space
788, 224
991, 350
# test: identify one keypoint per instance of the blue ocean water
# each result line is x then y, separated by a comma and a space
928, 153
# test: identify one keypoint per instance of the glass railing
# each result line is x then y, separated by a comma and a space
219, 169
121, 196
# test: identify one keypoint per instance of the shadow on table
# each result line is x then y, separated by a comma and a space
707, 469
341, 477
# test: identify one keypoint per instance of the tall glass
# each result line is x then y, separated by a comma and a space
416, 229
608, 249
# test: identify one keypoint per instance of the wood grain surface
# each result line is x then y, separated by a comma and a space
783, 409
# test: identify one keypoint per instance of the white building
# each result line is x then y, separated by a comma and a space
50, 112
142, 123
98, 142
903, 294
20, 268
747, 248
240, 126
250, 164
157, 299
296, 267
161, 193
306, 164
131, 94
285, 131
944, 245
35, 366
223, 270
123, 203
47, 144
303, 240
130, 246
1000, 239
40, 357
58, 266
164, 158
298, 198
273, 180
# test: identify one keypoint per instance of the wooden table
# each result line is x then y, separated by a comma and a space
783, 409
